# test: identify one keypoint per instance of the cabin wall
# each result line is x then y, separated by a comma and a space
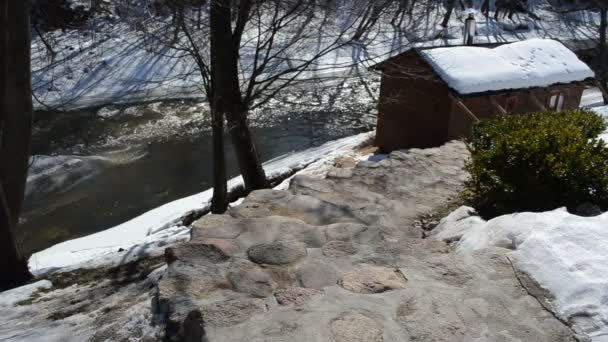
413, 110
518, 102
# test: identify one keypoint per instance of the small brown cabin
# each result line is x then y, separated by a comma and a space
431, 95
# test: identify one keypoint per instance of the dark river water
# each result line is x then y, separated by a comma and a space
93, 170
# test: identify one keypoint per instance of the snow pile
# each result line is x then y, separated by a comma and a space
11, 297
603, 111
151, 232
520, 65
564, 253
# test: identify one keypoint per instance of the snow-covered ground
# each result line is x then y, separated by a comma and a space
564, 253
151, 232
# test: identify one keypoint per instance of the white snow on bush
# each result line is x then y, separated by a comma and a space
564, 253
603, 111
150, 232
520, 65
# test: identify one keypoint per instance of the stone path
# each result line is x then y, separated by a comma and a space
343, 259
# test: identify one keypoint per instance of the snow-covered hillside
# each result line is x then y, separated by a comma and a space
113, 60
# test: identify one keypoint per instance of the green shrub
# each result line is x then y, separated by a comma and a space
537, 162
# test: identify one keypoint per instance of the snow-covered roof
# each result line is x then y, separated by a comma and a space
526, 64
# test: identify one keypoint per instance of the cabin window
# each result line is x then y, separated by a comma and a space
556, 101
511, 104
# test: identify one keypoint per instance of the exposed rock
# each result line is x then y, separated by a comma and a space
372, 279
356, 328
277, 253
264, 203
316, 275
261, 230
249, 278
216, 227
340, 173
190, 281
338, 249
295, 295
195, 253
227, 246
356, 232
231, 312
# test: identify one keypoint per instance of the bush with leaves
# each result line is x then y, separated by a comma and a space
537, 162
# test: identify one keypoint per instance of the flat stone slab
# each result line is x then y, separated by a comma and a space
295, 295
338, 249
231, 312
316, 274
372, 279
277, 253
247, 277
195, 253
356, 328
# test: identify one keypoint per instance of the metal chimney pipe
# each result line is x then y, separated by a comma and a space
470, 28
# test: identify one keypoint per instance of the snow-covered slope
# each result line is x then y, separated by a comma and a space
564, 253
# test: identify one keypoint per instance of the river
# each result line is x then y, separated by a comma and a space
94, 169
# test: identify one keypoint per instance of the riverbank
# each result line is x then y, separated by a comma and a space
150, 233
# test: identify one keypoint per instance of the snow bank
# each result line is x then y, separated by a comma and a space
150, 232
564, 253
11, 297
603, 111
525, 64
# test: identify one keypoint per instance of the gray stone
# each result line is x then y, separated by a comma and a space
355, 232
269, 229
356, 327
338, 249
336, 172
196, 253
231, 312
186, 280
227, 246
372, 279
295, 295
216, 227
249, 278
277, 253
316, 275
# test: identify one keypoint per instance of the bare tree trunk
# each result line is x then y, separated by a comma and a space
603, 53
219, 201
448, 14
226, 90
15, 134
245, 149
485, 8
